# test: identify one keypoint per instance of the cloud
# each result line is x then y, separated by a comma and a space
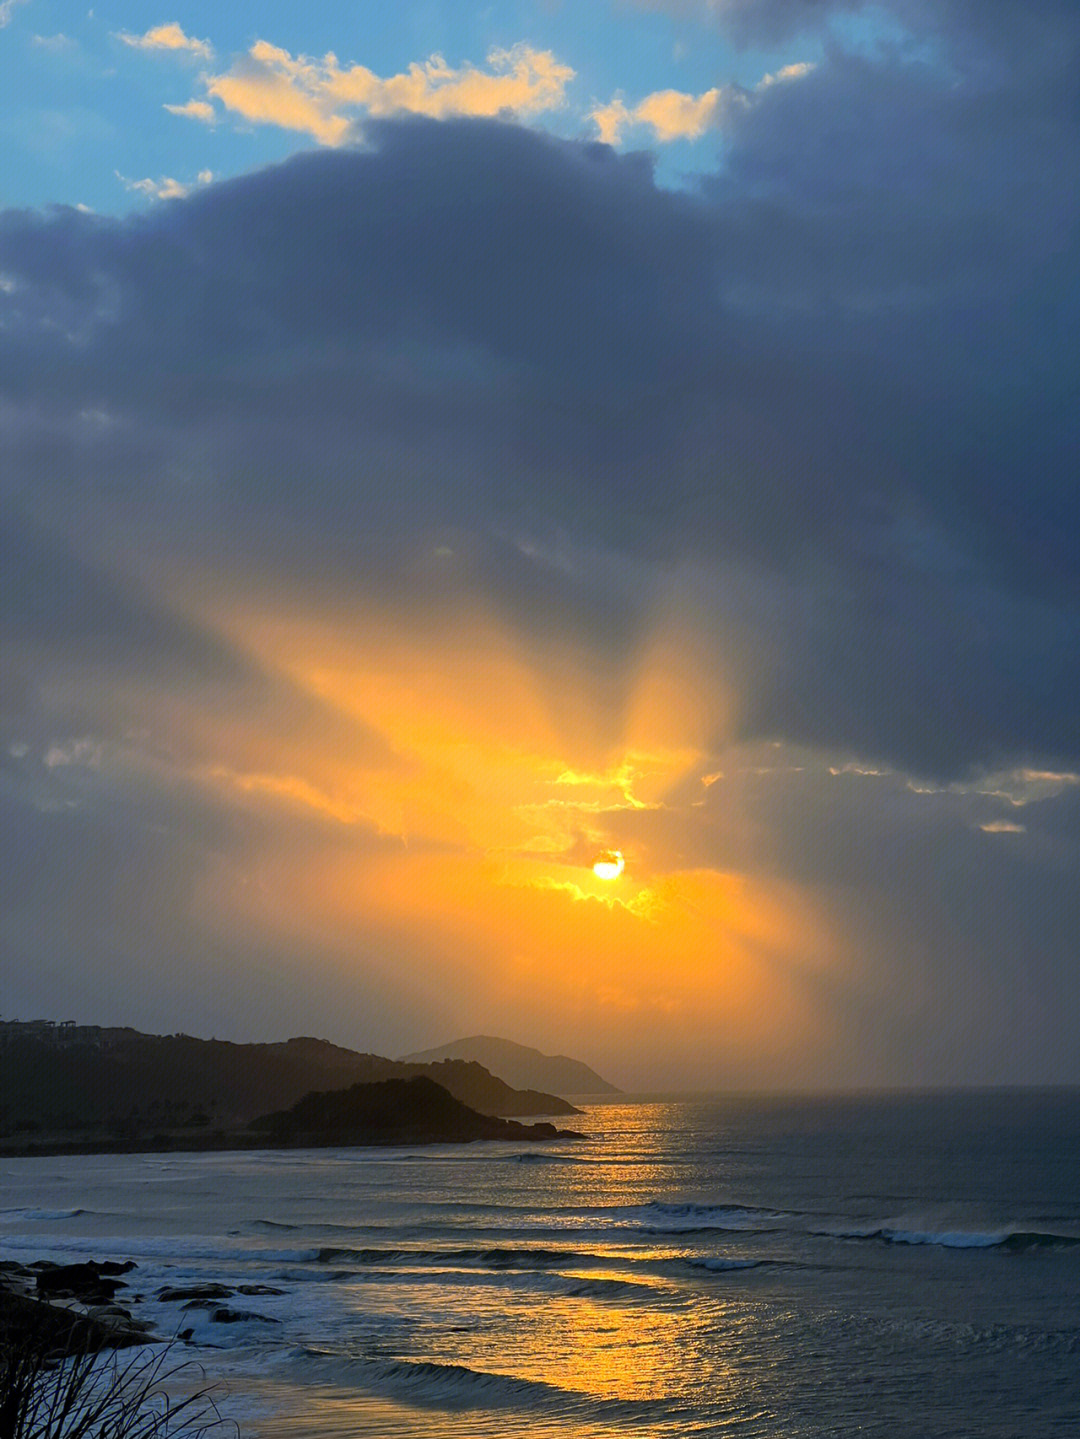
288, 789
796, 71
485, 460
168, 37
195, 110
82, 751
7, 11
165, 188
321, 98
970, 30
752, 22
671, 114
835, 406
676, 115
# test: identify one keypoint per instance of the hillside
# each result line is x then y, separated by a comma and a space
133, 1084
520, 1066
392, 1111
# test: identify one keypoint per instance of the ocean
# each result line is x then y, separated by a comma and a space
895, 1266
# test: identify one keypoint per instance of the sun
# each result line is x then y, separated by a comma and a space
608, 864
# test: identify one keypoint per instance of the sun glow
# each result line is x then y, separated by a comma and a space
447, 800
609, 864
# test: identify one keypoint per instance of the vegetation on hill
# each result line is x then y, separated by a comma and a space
142, 1087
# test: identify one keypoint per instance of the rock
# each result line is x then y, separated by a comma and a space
102, 1266
15, 1277
108, 1311
258, 1289
113, 1266
119, 1321
51, 1331
195, 1291
240, 1316
79, 1281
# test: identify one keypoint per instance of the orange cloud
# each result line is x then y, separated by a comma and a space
677, 115
167, 37
195, 110
321, 98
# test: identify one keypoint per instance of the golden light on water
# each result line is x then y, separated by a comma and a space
609, 864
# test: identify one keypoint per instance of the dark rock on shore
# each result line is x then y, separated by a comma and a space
196, 1291
209, 1296
30, 1319
55, 1331
240, 1316
85, 1282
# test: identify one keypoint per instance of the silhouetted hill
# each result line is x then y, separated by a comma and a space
131, 1084
392, 1111
521, 1066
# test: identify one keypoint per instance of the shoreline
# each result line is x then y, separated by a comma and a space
224, 1143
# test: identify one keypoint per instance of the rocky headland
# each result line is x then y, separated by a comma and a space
394, 1111
76, 1089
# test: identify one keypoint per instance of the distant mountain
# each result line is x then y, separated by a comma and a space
520, 1066
393, 1111
129, 1084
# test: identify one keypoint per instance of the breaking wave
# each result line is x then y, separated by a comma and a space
1015, 1240
722, 1266
38, 1216
459, 1387
658, 1218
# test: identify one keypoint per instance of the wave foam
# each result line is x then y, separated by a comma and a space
723, 1266
35, 1216
1016, 1240
658, 1218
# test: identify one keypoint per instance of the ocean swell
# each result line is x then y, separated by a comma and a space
1014, 1240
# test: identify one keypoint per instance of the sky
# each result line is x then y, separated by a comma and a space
443, 443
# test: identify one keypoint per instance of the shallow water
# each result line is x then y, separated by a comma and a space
897, 1266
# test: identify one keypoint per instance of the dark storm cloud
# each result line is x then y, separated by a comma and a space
1033, 29
839, 380
765, 22
86, 656
50, 600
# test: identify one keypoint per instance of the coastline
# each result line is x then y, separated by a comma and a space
223, 1142
875, 1253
